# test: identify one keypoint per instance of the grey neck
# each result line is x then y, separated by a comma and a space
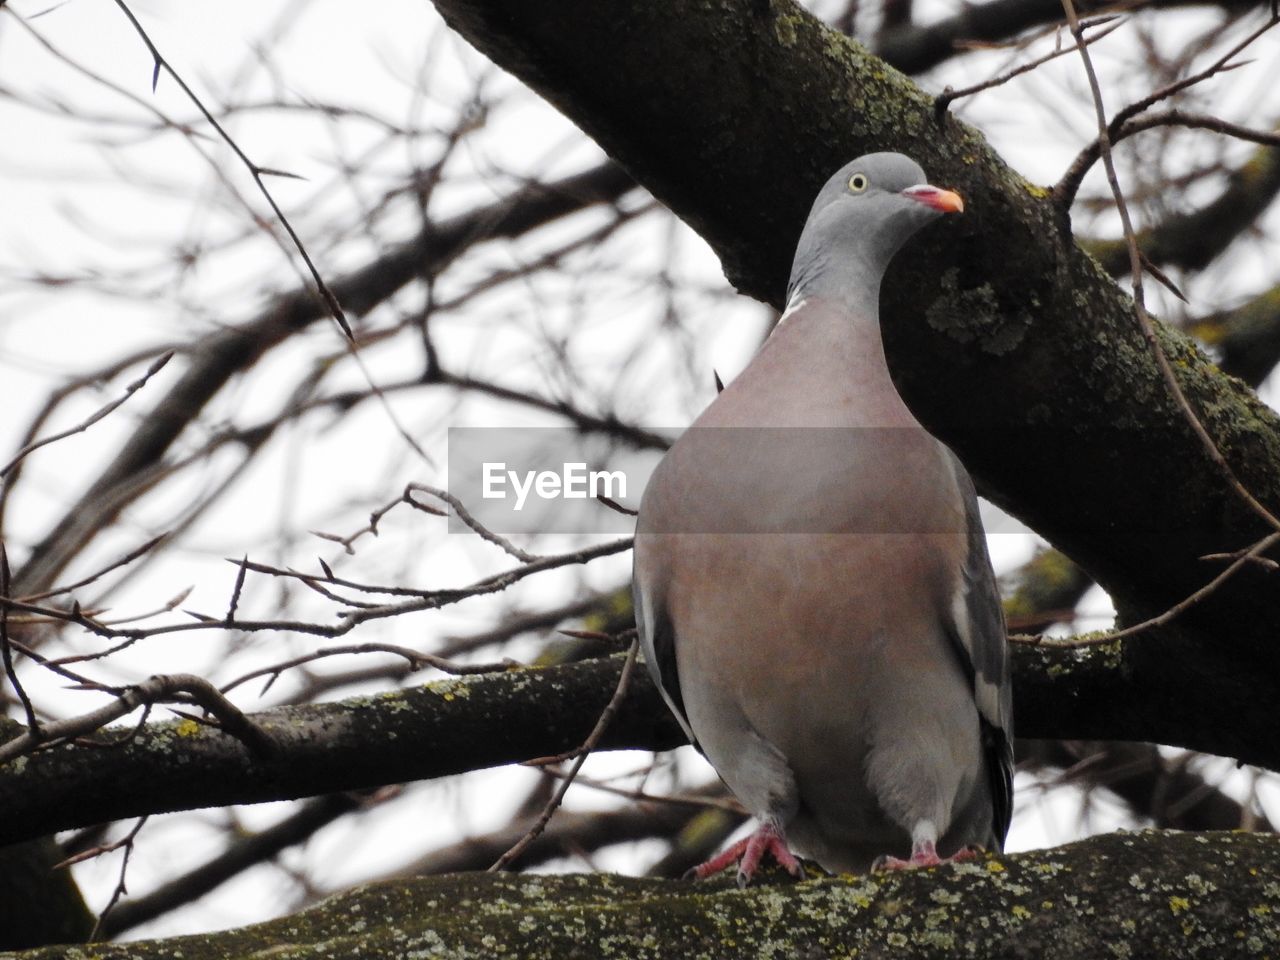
849, 281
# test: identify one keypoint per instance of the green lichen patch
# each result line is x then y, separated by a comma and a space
450, 689
975, 315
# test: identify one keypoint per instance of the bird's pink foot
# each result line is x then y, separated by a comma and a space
748, 853
924, 854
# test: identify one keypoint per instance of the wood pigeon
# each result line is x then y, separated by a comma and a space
812, 586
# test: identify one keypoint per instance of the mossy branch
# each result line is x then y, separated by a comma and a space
1153, 894
463, 724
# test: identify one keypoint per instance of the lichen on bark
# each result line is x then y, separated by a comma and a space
1150, 894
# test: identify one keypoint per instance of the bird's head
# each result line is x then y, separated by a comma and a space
862, 216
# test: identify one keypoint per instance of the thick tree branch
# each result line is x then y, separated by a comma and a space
438, 729
1248, 337
1043, 591
1005, 338
452, 726
1150, 894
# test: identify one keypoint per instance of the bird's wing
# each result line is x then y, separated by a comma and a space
658, 641
978, 631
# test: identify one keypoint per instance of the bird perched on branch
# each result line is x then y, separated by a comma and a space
812, 585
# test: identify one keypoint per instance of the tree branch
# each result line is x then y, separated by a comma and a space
1248, 337
472, 723
434, 730
1150, 894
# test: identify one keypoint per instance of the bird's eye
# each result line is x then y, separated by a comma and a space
858, 182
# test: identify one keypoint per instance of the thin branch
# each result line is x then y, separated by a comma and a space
239, 854
1109, 133
123, 561
217, 357
948, 96
121, 888
156, 366
1170, 118
695, 800
1250, 556
256, 171
6, 650
1135, 257
606, 716
466, 517
415, 659
351, 618
326, 294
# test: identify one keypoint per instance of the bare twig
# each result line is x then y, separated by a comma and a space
465, 516
1109, 133
242, 850
602, 724
123, 561
54, 666
1169, 118
1252, 555
375, 519
93, 418
1135, 267
120, 888
422, 600
948, 96
415, 659
6, 650
1166, 370
695, 800
242, 569
256, 171
326, 294
616, 507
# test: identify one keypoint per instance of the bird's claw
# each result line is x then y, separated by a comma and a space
924, 855
748, 853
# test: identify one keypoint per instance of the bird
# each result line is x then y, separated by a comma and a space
812, 587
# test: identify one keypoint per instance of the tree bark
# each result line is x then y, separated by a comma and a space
1151, 894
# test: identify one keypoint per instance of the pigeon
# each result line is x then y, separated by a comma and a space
812, 587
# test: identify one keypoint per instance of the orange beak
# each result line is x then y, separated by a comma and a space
944, 201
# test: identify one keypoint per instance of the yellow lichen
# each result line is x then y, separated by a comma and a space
187, 728
450, 689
